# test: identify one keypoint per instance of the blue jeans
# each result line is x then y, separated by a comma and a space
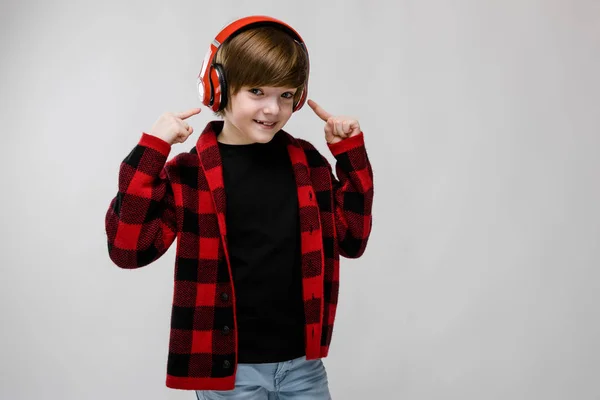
297, 379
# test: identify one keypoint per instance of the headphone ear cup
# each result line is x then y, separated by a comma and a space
222, 92
213, 81
301, 100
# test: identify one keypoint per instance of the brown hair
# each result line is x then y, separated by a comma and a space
262, 56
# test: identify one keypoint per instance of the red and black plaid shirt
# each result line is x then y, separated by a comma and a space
159, 200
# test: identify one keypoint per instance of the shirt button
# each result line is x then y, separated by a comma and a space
226, 330
224, 296
226, 364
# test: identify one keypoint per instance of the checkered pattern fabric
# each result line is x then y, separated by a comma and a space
159, 200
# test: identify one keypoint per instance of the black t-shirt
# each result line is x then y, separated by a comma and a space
263, 238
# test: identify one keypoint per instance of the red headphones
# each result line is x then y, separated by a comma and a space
212, 86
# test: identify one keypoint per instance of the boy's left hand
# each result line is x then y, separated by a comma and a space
337, 128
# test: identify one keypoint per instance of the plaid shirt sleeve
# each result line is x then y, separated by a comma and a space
140, 221
353, 193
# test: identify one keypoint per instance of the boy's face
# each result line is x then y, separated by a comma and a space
256, 114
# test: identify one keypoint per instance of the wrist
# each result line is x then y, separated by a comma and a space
156, 143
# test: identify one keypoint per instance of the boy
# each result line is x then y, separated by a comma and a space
260, 222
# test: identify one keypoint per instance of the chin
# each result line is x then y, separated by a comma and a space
263, 137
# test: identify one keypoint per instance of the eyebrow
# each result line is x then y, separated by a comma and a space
271, 87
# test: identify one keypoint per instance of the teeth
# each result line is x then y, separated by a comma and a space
265, 123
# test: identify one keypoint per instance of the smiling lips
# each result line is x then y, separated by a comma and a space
265, 123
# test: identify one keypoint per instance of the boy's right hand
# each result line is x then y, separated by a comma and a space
172, 128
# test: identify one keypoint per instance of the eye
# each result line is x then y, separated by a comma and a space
288, 95
255, 91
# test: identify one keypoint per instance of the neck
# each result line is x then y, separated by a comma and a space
231, 135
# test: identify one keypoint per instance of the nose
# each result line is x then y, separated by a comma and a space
271, 107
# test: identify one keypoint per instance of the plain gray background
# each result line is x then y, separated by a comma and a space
482, 122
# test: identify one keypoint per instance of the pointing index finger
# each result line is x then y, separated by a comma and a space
321, 113
188, 113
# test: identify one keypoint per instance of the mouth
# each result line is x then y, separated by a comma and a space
266, 124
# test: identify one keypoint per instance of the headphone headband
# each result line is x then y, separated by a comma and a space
211, 81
